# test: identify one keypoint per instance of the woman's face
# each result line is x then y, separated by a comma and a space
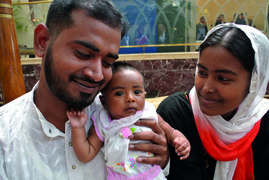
221, 82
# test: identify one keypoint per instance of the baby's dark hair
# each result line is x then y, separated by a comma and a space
122, 65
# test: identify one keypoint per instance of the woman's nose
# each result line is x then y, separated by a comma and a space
209, 87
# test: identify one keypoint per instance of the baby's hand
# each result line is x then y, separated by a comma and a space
181, 144
77, 118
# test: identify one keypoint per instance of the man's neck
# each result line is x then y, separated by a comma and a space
51, 107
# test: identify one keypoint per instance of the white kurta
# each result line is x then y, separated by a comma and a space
31, 148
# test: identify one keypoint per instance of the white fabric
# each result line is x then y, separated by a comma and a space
115, 149
251, 110
31, 148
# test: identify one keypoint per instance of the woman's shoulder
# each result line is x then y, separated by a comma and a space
265, 121
176, 99
264, 128
176, 106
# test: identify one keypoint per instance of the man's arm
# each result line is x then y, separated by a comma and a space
3, 175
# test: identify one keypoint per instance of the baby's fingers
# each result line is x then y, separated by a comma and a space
183, 154
182, 147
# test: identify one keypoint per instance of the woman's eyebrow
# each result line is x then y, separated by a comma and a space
226, 71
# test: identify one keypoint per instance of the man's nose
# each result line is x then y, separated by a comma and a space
94, 69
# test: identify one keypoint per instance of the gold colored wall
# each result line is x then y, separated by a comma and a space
211, 9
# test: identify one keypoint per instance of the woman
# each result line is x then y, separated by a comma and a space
224, 116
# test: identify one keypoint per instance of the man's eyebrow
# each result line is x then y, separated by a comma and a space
92, 47
87, 45
226, 71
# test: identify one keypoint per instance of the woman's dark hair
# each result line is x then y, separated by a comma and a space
60, 14
235, 41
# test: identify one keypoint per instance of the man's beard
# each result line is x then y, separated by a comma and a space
59, 87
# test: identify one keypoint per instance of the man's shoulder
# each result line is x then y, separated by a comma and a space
16, 104
12, 112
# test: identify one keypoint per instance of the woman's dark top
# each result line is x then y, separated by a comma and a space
177, 111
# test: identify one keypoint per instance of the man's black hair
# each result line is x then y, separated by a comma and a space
60, 14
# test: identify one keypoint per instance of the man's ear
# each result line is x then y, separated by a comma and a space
41, 39
103, 101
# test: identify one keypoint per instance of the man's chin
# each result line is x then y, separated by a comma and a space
79, 104
82, 102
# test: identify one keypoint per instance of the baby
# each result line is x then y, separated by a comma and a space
123, 103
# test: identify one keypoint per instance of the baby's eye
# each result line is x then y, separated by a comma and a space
137, 92
119, 93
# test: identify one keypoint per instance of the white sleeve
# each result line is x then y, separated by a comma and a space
166, 169
3, 139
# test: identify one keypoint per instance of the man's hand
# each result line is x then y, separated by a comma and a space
158, 146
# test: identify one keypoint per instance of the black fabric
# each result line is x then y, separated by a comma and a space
176, 110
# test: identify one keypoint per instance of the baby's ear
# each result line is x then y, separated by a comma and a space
102, 99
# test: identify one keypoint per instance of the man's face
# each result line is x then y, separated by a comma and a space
77, 63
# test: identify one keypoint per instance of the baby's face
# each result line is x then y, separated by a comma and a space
125, 94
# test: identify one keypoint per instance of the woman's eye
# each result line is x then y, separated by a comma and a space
202, 73
224, 79
119, 93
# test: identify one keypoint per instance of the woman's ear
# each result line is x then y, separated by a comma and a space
103, 101
41, 39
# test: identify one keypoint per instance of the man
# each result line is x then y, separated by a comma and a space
162, 34
220, 20
241, 19
201, 29
78, 45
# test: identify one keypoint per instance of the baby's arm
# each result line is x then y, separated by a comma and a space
85, 148
176, 139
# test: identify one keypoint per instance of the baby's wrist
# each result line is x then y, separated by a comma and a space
77, 127
170, 139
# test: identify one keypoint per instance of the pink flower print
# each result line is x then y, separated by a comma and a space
126, 132
134, 163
